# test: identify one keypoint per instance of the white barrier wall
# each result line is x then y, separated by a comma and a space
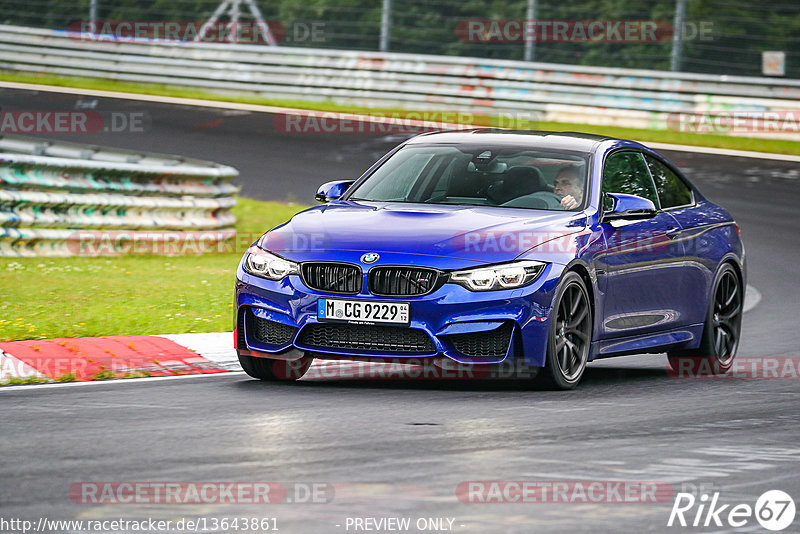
62, 199
538, 91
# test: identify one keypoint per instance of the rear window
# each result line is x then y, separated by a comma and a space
672, 191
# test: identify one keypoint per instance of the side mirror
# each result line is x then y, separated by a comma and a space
332, 190
629, 208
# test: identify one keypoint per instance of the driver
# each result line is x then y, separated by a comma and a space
568, 187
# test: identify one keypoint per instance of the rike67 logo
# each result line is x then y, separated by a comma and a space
774, 510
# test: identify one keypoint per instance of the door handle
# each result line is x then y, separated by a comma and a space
673, 232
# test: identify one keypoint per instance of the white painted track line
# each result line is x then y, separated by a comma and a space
116, 381
751, 298
217, 347
722, 151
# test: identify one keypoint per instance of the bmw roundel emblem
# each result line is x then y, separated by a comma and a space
371, 257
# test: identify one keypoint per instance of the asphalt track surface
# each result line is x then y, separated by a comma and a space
399, 448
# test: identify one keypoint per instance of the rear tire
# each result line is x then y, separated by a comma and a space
721, 331
275, 370
570, 336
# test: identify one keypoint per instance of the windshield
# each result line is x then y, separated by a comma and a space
479, 176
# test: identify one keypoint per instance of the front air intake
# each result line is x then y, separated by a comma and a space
366, 338
491, 344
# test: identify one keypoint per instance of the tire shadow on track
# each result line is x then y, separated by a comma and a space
595, 378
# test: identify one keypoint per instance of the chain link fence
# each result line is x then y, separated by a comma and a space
717, 36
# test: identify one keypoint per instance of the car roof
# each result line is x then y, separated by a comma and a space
573, 141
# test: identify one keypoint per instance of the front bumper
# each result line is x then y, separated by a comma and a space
453, 319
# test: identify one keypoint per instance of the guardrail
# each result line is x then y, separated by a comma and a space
538, 91
61, 199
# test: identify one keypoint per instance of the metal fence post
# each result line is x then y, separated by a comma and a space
530, 44
93, 14
386, 23
677, 35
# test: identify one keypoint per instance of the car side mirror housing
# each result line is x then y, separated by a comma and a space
629, 208
332, 190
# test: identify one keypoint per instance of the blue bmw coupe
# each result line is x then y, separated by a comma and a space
482, 247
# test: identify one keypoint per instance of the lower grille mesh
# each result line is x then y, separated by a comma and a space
487, 344
271, 332
367, 338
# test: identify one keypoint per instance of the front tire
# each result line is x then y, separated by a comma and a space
275, 370
570, 335
721, 331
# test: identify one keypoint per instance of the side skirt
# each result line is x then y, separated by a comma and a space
684, 337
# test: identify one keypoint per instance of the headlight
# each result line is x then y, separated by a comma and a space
506, 276
261, 263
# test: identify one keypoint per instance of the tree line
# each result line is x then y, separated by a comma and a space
736, 31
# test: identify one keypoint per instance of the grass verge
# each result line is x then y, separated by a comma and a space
43, 298
775, 146
70, 377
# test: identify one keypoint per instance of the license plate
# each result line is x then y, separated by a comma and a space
363, 312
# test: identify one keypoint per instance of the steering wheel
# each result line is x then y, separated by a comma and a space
552, 200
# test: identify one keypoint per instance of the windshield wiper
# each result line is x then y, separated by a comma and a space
379, 200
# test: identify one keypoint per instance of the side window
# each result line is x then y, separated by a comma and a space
626, 172
671, 190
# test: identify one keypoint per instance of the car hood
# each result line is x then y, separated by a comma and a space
478, 234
